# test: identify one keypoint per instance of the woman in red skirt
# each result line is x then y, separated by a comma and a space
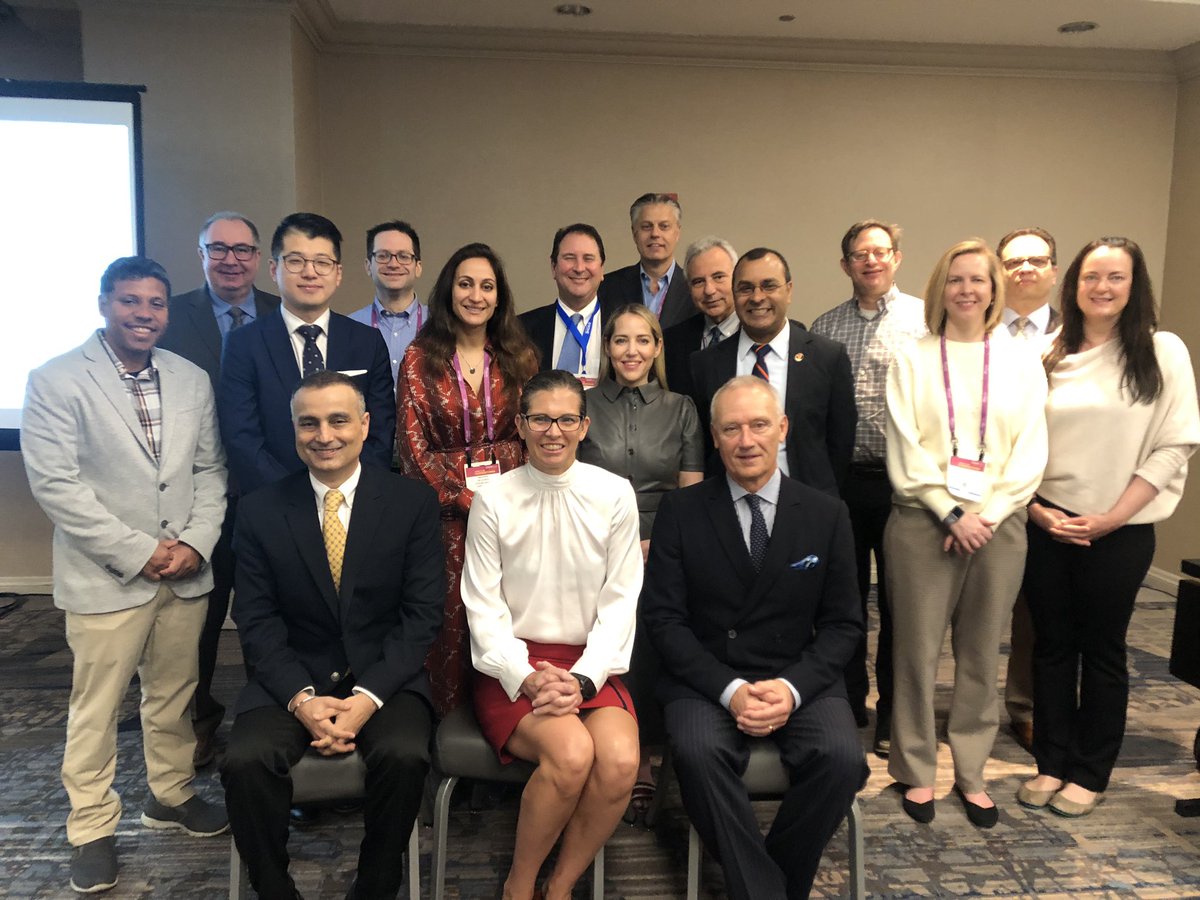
550, 583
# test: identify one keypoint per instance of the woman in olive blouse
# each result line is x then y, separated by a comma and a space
643, 432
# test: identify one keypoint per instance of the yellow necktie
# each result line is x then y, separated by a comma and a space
335, 536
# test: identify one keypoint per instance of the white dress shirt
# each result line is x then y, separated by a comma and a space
777, 368
291, 322
589, 363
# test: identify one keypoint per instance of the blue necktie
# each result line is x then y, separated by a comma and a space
758, 531
568, 359
760, 361
311, 358
714, 336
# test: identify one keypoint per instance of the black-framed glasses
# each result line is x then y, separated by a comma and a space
383, 257
540, 422
242, 252
880, 254
1038, 262
295, 263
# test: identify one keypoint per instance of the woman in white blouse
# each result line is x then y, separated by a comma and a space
1122, 419
551, 581
966, 445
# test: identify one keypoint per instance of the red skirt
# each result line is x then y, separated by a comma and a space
498, 716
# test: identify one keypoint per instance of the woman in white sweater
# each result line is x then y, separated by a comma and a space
1122, 420
966, 444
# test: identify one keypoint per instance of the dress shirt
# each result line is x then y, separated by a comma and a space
769, 495
398, 329
654, 299
1035, 328
291, 321
145, 394
872, 340
222, 315
589, 364
554, 559
777, 369
726, 327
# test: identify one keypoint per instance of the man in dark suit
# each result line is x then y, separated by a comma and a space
340, 589
567, 331
810, 373
655, 279
201, 321
265, 361
751, 599
708, 265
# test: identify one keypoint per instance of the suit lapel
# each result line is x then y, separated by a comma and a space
167, 386
787, 523
278, 344
302, 521
729, 530
365, 521
797, 346
102, 371
339, 355
204, 324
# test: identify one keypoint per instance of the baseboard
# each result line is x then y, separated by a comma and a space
1162, 580
30, 584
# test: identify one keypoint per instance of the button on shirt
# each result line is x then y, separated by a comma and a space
777, 369
589, 364
291, 322
221, 312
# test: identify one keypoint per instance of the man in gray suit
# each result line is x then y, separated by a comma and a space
121, 447
200, 321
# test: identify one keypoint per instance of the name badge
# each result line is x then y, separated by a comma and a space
587, 381
479, 474
965, 478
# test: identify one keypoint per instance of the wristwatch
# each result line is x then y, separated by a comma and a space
955, 514
586, 688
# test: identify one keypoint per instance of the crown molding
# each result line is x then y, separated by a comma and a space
1187, 62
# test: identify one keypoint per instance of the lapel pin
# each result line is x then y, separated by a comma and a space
798, 357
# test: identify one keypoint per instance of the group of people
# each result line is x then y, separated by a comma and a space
692, 501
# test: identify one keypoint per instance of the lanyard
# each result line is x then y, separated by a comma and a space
488, 416
983, 412
581, 339
375, 314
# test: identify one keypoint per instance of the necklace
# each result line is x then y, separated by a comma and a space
470, 368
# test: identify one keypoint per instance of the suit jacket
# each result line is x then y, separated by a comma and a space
713, 618
92, 471
819, 405
192, 331
297, 630
680, 341
1055, 320
259, 373
539, 325
625, 286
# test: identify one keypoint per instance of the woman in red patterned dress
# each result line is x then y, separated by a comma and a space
456, 408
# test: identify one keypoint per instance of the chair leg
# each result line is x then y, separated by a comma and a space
441, 821
414, 864
598, 876
693, 865
858, 873
239, 875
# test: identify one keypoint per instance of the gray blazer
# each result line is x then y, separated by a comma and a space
90, 468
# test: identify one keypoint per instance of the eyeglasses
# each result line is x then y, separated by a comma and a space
879, 254
758, 426
1017, 262
295, 263
744, 290
540, 422
403, 257
241, 252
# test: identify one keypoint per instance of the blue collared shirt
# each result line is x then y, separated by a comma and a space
224, 319
652, 299
398, 329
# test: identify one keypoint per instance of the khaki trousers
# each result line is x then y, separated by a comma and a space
931, 590
159, 641
1018, 688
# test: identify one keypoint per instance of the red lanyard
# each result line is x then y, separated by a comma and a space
488, 415
983, 412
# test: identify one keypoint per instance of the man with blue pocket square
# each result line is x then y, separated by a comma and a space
751, 599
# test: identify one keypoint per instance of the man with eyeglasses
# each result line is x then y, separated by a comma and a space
1030, 260
200, 323
810, 373
394, 265
264, 361
873, 325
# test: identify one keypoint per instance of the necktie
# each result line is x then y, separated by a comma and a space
239, 317
1019, 325
758, 531
760, 361
568, 359
312, 359
714, 336
335, 536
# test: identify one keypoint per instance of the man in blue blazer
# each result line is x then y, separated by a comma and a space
340, 588
265, 361
751, 600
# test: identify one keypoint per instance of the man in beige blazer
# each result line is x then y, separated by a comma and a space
121, 447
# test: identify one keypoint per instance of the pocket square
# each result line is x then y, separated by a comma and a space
353, 373
809, 562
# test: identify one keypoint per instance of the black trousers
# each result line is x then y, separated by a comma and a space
868, 494
1081, 600
820, 749
267, 742
206, 711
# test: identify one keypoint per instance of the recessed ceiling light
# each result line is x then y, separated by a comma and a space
573, 9
788, 18
1077, 27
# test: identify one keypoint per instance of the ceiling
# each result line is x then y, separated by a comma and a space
1161, 25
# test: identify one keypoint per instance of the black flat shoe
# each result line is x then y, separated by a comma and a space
979, 816
919, 812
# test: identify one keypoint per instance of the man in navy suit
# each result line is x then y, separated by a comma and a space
751, 599
201, 321
708, 265
340, 589
810, 373
265, 361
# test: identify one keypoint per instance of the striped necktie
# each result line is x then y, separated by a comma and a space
760, 361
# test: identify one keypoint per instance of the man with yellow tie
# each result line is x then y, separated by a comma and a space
339, 591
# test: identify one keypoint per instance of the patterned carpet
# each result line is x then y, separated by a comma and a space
1133, 846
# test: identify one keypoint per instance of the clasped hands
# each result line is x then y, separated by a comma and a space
171, 561
1068, 529
553, 691
761, 707
968, 534
334, 723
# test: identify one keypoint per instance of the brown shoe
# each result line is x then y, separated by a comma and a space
1023, 733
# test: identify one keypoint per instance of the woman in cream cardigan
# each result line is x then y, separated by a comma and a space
1122, 421
966, 445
